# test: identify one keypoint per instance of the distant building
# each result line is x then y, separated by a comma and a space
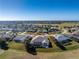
54, 30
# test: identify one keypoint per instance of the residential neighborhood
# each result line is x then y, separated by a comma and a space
34, 38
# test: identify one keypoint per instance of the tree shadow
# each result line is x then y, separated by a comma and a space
31, 49
60, 46
4, 45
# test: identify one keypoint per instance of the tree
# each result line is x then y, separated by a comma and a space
30, 48
3, 45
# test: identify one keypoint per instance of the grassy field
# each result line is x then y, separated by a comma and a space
21, 47
17, 51
17, 54
16, 46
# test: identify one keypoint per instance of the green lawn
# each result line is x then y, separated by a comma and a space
74, 45
20, 46
18, 54
12, 54
16, 46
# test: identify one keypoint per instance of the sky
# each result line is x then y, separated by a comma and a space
15, 10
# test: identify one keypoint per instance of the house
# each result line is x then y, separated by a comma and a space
6, 29
75, 35
7, 36
61, 38
19, 38
31, 30
54, 30
22, 38
40, 41
42, 31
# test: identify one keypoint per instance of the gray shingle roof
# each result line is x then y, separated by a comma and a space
61, 37
39, 38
